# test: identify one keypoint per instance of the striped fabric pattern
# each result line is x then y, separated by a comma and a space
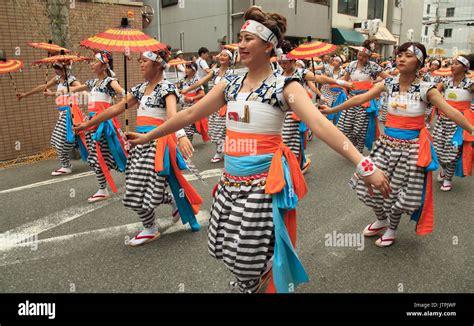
354, 123
406, 178
291, 134
241, 230
217, 128
59, 143
144, 188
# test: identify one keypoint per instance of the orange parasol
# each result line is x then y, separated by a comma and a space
175, 62
50, 47
310, 50
8, 66
444, 72
123, 39
233, 46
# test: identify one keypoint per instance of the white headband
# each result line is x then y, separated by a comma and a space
261, 31
436, 61
284, 57
150, 55
301, 63
416, 51
463, 60
231, 56
366, 51
104, 59
338, 59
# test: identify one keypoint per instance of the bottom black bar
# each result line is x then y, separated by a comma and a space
64, 309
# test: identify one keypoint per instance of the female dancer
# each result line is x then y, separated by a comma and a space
262, 181
359, 123
217, 119
294, 130
454, 148
404, 152
105, 143
154, 165
62, 138
188, 99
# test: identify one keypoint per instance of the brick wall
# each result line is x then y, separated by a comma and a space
26, 125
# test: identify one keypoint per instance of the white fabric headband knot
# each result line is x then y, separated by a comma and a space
300, 62
261, 31
150, 55
366, 51
436, 62
284, 57
103, 59
338, 59
463, 60
416, 51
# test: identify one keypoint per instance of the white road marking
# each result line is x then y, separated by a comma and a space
48, 182
65, 243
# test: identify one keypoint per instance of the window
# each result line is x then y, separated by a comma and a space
428, 9
167, 3
375, 9
450, 12
426, 30
321, 2
348, 7
448, 32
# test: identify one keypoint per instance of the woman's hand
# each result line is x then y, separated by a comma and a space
135, 138
19, 96
323, 99
185, 147
324, 109
47, 92
81, 127
380, 181
349, 85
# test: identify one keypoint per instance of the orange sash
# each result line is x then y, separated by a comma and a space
170, 140
202, 125
363, 86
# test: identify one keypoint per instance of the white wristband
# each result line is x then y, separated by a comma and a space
180, 133
366, 167
340, 82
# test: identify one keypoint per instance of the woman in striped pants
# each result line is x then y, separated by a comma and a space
405, 152
151, 167
62, 138
105, 143
454, 148
252, 228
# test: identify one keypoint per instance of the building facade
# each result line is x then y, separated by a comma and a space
403, 20
448, 27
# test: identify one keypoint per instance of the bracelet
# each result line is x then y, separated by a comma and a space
180, 133
366, 167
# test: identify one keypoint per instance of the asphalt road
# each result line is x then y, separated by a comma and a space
81, 247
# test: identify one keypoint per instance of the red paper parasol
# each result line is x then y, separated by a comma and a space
123, 39
8, 66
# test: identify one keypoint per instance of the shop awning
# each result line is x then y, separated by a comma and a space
346, 36
383, 36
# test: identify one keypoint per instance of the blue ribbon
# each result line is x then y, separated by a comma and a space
107, 128
457, 141
288, 271
185, 208
303, 129
341, 98
373, 112
70, 137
